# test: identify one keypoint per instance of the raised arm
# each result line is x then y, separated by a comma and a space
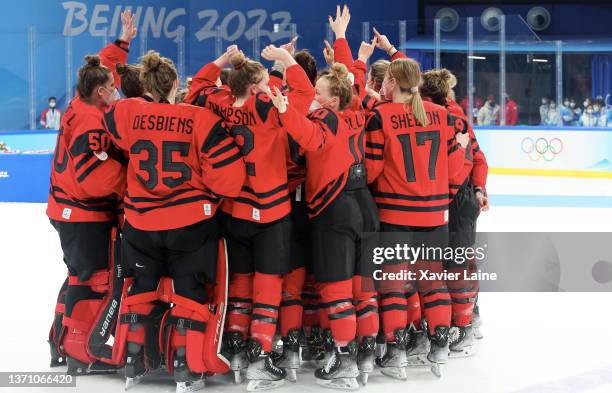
300, 91
117, 52
384, 44
207, 76
312, 133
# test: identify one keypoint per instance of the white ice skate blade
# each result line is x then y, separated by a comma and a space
464, 353
131, 382
291, 374
237, 377
258, 385
364, 378
192, 386
418, 360
395, 372
478, 334
421, 361
339, 383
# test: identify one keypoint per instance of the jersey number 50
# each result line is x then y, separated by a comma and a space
149, 164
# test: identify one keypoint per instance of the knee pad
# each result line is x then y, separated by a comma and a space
92, 309
197, 327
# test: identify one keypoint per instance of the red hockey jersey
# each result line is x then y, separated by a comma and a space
480, 168
333, 142
411, 166
182, 161
263, 142
87, 177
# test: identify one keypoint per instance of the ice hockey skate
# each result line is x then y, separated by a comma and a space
365, 358
262, 373
341, 370
235, 348
393, 363
289, 358
462, 342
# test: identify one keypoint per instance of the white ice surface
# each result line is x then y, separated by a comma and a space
534, 343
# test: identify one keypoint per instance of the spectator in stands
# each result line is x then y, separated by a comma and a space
553, 118
488, 115
567, 113
544, 110
577, 112
588, 118
477, 104
51, 116
512, 111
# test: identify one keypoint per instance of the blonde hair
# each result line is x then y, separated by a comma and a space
378, 70
158, 74
245, 72
407, 74
339, 84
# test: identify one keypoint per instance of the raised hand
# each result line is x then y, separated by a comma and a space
366, 49
340, 24
281, 55
290, 46
278, 99
382, 42
128, 31
328, 53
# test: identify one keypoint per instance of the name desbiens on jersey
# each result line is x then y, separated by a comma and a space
176, 124
407, 120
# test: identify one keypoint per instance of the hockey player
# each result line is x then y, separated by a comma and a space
412, 155
131, 85
257, 223
341, 209
87, 186
469, 199
182, 162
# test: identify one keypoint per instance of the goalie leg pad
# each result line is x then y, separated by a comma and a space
56, 333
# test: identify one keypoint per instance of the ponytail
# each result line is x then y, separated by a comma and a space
407, 74
418, 109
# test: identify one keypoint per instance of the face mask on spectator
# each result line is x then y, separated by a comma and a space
553, 106
596, 108
590, 111
566, 103
52, 104
543, 101
586, 103
572, 104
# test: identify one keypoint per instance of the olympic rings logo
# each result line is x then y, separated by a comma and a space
542, 148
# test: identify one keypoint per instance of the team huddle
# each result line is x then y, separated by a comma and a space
203, 228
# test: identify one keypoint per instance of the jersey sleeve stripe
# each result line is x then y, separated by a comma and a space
88, 171
227, 161
412, 208
374, 145
405, 197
